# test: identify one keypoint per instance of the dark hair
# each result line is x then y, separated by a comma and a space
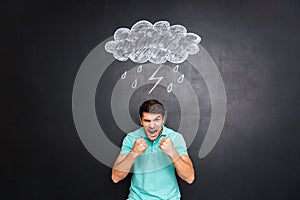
152, 106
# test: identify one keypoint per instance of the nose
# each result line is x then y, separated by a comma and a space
152, 124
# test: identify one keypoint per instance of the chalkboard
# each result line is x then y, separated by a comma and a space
255, 48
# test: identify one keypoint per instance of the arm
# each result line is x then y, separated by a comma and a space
124, 162
183, 164
184, 167
122, 166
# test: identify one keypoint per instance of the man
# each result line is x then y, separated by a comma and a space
155, 152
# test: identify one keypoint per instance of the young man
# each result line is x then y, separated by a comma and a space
155, 152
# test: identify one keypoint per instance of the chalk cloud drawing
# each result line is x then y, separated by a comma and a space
157, 43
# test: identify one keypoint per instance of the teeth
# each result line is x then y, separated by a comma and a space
152, 132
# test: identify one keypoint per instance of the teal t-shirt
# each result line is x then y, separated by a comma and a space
154, 175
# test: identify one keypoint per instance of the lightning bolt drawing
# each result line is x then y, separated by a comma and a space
155, 78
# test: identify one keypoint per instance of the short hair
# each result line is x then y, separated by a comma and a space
152, 106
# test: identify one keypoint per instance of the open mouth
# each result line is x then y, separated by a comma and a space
152, 133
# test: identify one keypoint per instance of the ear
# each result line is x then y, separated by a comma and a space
141, 121
165, 117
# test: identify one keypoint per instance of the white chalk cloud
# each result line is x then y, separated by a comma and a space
156, 43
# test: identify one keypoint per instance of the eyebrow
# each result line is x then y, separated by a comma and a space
156, 118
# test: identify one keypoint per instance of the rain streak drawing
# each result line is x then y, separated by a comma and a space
170, 86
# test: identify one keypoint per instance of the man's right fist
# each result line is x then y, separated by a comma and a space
140, 146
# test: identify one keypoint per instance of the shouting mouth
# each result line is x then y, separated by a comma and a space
152, 133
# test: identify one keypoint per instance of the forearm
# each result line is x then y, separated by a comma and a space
184, 167
122, 168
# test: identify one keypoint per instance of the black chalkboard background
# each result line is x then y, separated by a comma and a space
255, 45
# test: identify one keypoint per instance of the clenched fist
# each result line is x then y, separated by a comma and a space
140, 146
166, 146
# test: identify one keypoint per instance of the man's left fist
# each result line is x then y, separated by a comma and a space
166, 146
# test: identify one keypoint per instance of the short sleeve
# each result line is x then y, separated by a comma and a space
180, 145
126, 145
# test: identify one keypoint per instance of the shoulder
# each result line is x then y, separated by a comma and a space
135, 134
172, 134
129, 140
178, 141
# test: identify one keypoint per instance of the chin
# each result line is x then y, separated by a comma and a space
152, 137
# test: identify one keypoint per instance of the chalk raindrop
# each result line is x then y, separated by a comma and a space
134, 84
124, 75
169, 88
180, 79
